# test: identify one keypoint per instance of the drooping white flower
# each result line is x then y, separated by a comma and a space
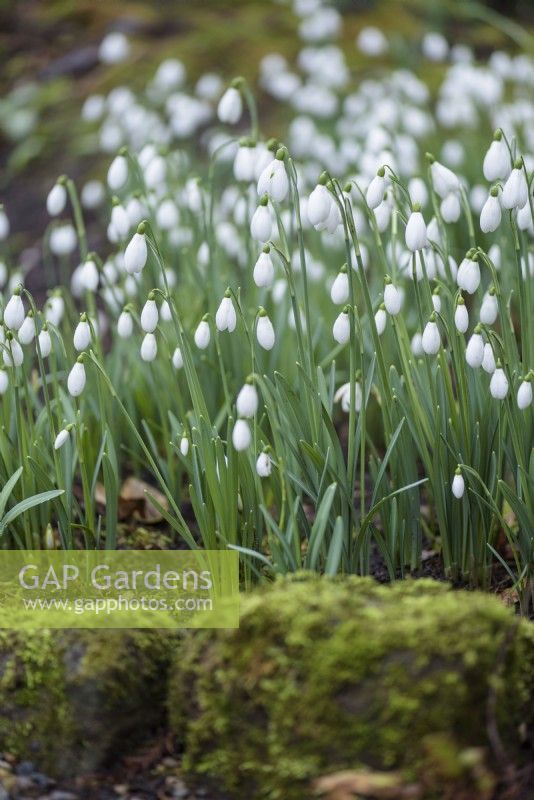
468, 277
149, 316
524, 218
474, 352
241, 436
230, 106
177, 358
491, 214
264, 465
82, 334
76, 380
14, 312
392, 299
202, 335
499, 384
4, 225
118, 173
489, 309
247, 400
56, 200
515, 191
319, 204
261, 224
244, 163
54, 310
451, 208
273, 181
343, 396
339, 291
184, 445
4, 381
444, 180
120, 221
45, 343
458, 486
61, 438
264, 269
376, 190
436, 302
125, 325
136, 254
341, 329
524, 395
149, 347
431, 340
497, 164
12, 353
488, 361
265, 331
380, 320
461, 316
417, 345
225, 318
415, 235
114, 48
27, 330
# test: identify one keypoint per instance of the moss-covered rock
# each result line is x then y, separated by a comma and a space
327, 675
73, 700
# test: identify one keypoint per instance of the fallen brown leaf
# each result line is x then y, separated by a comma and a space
134, 501
351, 784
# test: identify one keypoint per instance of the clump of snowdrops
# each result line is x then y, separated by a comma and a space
320, 351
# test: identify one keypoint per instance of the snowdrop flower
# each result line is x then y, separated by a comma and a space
247, 400
202, 334
4, 381
434, 46
57, 199
524, 393
45, 342
381, 320
499, 384
245, 162
376, 189
118, 173
184, 445
264, 465
120, 222
136, 253
343, 396
225, 318
114, 48
77, 378
125, 324
341, 329
415, 235
264, 269
468, 277
524, 218
230, 106
444, 180
371, 41
489, 309
383, 214
273, 181
488, 361
177, 358
431, 341
265, 331
261, 223
417, 345
89, 276
93, 194
461, 316
458, 484
474, 352
392, 298
4, 224
155, 171
241, 436
62, 437
54, 309
82, 334
14, 311
12, 352
149, 347
63, 240
450, 208
27, 329
515, 192
497, 164
491, 214
436, 301
319, 205
339, 291
149, 315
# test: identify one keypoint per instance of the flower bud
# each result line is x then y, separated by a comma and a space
341, 329
14, 312
458, 486
27, 330
265, 332
415, 234
202, 335
125, 325
56, 200
392, 299
82, 335
136, 254
45, 343
499, 384
149, 347
241, 436
524, 395
76, 380
118, 173
474, 352
263, 465
431, 341
339, 292
247, 401
230, 106
61, 438
149, 316
177, 359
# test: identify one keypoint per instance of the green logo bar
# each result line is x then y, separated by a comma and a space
119, 589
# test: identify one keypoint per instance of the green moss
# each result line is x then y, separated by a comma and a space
326, 675
73, 700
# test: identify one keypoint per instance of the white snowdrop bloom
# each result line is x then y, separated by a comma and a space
136, 254
4, 381
371, 41
170, 74
177, 358
418, 191
241, 435
12, 352
165, 311
120, 222
263, 156
63, 240
93, 108
89, 276
436, 302
167, 216
474, 352
82, 335
261, 224
451, 208
263, 465
488, 361
515, 191
376, 190
434, 46
247, 400
343, 396
444, 180
341, 329
136, 211
265, 332
392, 299
230, 106
61, 438
27, 330
478, 194
264, 270
458, 486
125, 325
416, 235
184, 445
56, 200
383, 215
14, 312
489, 309
381, 320
114, 48
497, 164
524, 218
417, 345
45, 343
244, 163
149, 347
155, 172
202, 335
431, 341
499, 384
468, 277
319, 204
225, 318
524, 395
332, 221
76, 379
4, 225
118, 173
339, 291
461, 317
92, 195
149, 316
54, 310
491, 214
274, 182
